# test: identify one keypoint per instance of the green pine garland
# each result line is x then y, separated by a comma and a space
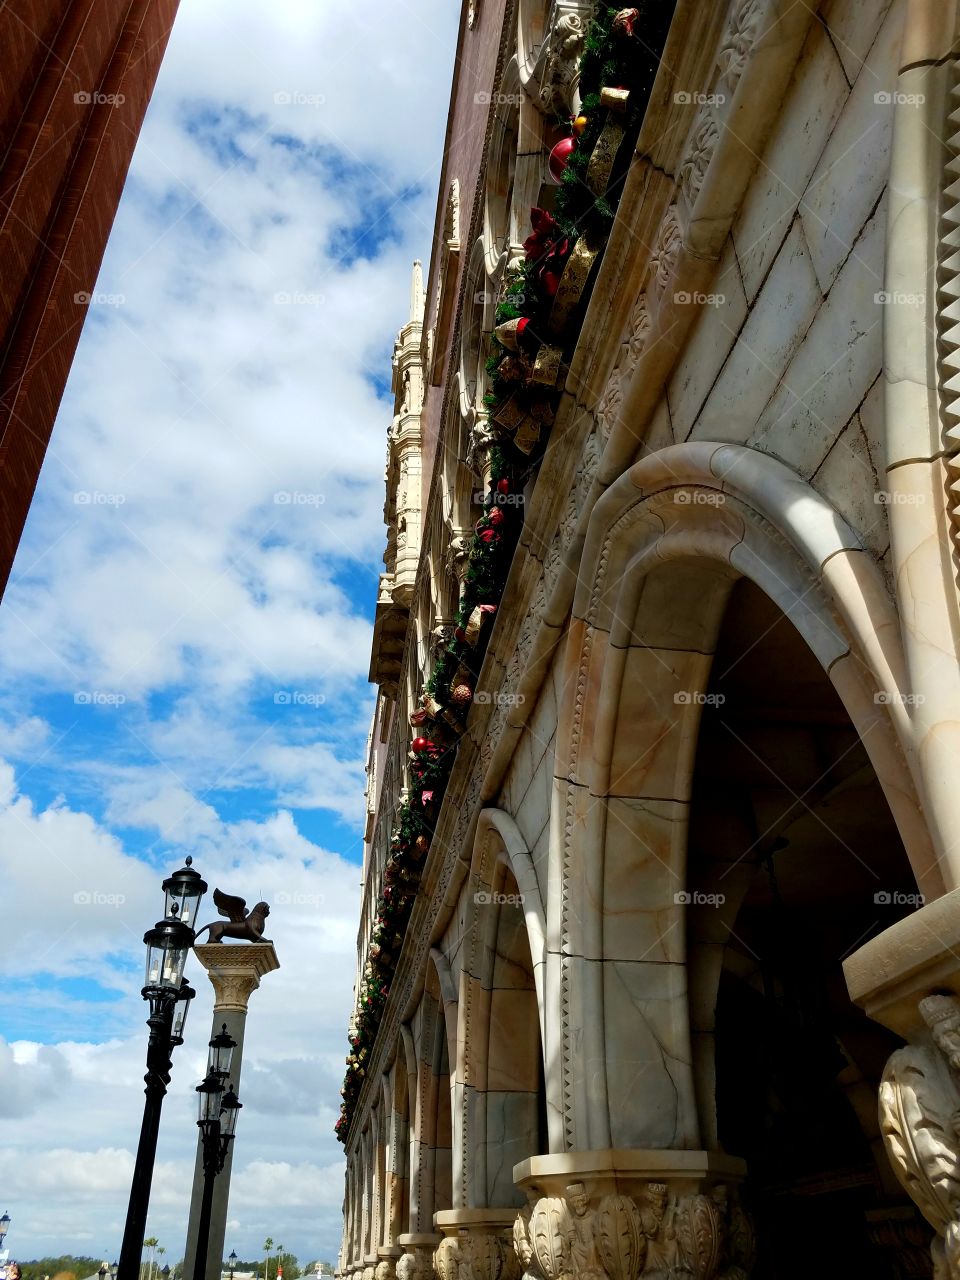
608, 60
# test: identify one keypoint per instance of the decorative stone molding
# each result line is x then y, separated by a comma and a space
235, 971
663, 260
743, 27
699, 152
948, 293
621, 1224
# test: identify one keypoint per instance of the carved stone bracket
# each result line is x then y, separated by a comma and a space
908, 978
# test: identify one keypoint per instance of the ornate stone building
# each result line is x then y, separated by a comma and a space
659, 959
77, 78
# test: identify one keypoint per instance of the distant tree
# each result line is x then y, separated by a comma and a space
150, 1243
291, 1267
69, 1263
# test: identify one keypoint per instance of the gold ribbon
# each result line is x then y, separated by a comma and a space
546, 367
572, 283
603, 155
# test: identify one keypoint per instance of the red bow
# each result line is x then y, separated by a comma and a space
549, 248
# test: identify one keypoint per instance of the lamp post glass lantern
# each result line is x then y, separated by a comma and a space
217, 1110
4, 1228
169, 995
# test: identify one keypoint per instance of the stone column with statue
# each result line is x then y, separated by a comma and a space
234, 973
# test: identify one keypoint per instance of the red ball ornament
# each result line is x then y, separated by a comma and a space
496, 516
560, 158
419, 744
461, 695
503, 485
488, 536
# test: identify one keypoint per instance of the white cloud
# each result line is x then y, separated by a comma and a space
207, 533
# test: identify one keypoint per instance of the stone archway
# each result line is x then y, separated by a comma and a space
665, 545
793, 861
502, 1113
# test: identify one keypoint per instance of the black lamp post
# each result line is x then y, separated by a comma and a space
169, 996
233, 1262
219, 1107
4, 1228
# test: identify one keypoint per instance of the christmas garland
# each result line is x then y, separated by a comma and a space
538, 324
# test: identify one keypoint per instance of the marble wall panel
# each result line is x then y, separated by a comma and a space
810, 110
648, 1057
852, 171
714, 333
643, 871
786, 304
836, 363
653, 742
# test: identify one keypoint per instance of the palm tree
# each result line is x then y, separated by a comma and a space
150, 1243
268, 1245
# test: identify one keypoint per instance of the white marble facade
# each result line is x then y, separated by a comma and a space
724, 683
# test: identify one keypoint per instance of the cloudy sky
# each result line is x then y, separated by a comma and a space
187, 629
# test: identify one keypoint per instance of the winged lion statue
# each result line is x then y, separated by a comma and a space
247, 926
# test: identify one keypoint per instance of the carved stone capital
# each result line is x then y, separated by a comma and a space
621, 1218
416, 1262
477, 1245
235, 970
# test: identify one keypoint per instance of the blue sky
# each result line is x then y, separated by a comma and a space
187, 629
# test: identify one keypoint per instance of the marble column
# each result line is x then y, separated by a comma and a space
234, 971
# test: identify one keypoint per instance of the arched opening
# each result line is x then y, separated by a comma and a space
399, 1154
515, 1096
794, 860
434, 1182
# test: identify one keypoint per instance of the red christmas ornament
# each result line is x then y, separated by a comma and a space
496, 516
420, 744
503, 485
560, 158
489, 536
